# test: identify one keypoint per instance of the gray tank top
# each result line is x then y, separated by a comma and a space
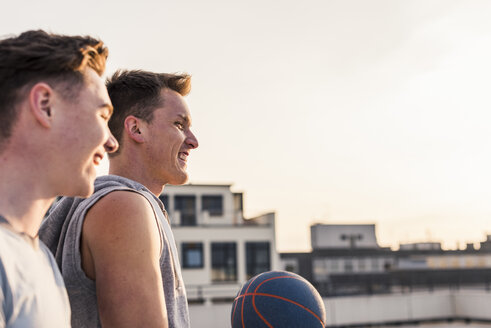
61, 232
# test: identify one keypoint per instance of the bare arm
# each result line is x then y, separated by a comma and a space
121, 251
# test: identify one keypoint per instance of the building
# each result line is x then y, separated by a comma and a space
219, 248
347, 260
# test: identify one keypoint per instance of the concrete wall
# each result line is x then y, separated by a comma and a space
442, 304
390, 308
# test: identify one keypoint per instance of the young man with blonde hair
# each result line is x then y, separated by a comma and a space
116, 249
53, 132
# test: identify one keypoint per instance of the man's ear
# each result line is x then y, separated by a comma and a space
41, 98
133, 127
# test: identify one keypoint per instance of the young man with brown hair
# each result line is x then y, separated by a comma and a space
53, 132
116, 249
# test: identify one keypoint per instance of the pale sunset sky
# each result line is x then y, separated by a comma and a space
345, 111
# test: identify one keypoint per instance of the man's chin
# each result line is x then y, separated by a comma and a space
84, 188
84, 192
179, 180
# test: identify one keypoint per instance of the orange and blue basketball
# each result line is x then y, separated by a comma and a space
278, 299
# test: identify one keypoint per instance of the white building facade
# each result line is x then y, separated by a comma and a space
219, 249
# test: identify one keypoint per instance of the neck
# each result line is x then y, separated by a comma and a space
24, 197
120, 166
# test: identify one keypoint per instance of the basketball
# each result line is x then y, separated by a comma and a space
278, 299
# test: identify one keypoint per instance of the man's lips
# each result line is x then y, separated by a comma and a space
98, 158
183, 156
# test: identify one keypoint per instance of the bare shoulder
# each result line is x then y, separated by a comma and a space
119, 221
119, 210
121, 252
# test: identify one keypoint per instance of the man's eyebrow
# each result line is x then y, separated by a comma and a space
185, 118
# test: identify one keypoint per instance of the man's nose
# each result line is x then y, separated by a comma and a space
111, 144
192, 141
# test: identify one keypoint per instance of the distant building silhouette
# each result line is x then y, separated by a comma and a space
347, 260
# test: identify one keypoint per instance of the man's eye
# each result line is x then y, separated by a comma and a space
179, 125
106, 115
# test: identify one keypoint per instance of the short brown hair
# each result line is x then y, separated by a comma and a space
36, 56
138, 93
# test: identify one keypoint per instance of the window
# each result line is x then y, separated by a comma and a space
257, 257
165, 200
291, 265
223, 262
348, 265
186, 205
192, 255
238, 202
213, 204
375, 265
320, 269
362, 265
334, 265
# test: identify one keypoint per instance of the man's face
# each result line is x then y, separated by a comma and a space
170, 140
85, 134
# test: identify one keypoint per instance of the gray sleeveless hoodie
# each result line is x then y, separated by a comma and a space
61, 232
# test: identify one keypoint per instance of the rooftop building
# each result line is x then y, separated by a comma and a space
347, 260
220, 249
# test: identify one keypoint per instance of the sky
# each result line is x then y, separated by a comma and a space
323, 111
